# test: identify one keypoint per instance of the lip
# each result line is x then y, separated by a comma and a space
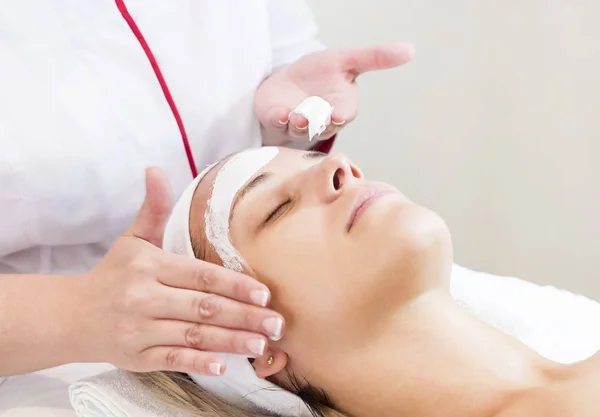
363, 202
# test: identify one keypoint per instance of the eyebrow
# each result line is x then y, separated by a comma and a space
261, 178
256, 181
314, 155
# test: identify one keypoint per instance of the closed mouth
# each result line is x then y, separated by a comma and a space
362, 203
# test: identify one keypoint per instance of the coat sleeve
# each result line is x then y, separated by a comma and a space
293, 30
15, 234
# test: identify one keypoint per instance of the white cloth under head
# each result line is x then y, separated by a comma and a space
114, 394
239, 384
556, 323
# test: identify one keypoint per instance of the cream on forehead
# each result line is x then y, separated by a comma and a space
236, 172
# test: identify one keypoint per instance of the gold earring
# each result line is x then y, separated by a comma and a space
270, 360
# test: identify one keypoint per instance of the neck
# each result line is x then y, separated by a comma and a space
434, 359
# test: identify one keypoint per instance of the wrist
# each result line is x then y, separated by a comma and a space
41, 323
74, 336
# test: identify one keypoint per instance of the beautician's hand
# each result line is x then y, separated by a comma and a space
330, 74
149, 310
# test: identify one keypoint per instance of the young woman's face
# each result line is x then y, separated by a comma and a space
338, 252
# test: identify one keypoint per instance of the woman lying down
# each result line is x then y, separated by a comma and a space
361, 275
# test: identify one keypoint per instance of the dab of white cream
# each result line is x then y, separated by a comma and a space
236, 172
318, 113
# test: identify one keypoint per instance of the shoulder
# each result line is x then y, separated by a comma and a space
540, 402
574, 393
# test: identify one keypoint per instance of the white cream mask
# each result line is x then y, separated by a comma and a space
236, 172
318, 113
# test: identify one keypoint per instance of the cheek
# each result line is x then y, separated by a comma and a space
292, 261
298, 260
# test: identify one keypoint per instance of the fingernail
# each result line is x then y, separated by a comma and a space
339, 123
273, 326
259, 297
283, 122
256, 346
215, 368
302, 128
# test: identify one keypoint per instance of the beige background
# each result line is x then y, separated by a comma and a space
494, 125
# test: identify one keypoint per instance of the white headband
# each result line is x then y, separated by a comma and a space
239, 384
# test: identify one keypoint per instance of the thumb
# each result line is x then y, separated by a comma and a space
360, 60
151, 220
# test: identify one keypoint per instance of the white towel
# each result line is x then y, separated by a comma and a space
562, 326
559, 325
114, 394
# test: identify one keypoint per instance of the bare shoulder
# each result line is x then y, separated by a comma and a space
575, 395
535, 403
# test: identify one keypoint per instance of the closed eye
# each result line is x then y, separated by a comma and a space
277, 211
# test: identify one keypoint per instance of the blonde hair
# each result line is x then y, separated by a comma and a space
178, 392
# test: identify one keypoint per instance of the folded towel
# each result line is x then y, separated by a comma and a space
557, 324
114, 394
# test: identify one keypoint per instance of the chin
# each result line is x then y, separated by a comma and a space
422, 229
415, 253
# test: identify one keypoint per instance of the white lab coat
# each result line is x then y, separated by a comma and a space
82, 115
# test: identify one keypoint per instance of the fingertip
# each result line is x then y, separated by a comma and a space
401, 52
260, 297
215, 366
298, 121
411, 51
256, 346
345, 112
284, 119
274, 326
338, 119
152, 170
279, 336
279, 117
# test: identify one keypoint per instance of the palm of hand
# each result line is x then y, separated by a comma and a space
329, 74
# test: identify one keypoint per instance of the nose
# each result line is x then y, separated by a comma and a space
333, 175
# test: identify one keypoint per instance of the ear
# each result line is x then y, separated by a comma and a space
264, 369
